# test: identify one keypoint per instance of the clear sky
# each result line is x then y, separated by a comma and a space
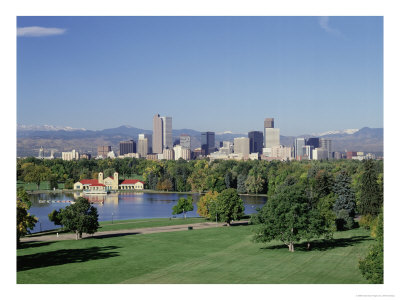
311, 74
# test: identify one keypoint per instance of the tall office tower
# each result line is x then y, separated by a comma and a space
127, 147
271, 137
313, 142
307, 151
269, 123
299, 143
149, 138
207, 142
256, 141
143, 145
157, 134
241, 145
327, 145
168, 154
167, 132
103, 151
184, 141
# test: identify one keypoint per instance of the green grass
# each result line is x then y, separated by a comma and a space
44, 185
215, 255
144, 223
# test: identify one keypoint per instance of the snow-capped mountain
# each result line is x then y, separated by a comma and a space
46, 128
344, 131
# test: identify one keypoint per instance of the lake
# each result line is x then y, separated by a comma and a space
123, 206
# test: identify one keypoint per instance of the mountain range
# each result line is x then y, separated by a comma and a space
31, 137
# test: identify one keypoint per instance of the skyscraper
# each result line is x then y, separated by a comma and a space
299, 143
256, 141
313, 142
269, 123
271, 134
167, 132
207, 142
143, 145
157, 134
127, 147
185, 141
327, 145
103, 151
241, 145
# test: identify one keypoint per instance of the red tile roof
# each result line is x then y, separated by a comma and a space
97, 184
131, 181
89, 181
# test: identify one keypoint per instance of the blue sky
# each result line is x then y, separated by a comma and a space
311, 74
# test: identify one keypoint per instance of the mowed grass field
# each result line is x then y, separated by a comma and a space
215, 255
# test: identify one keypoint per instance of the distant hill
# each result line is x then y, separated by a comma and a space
31, 138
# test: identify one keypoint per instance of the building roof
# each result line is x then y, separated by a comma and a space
131, 181
97, 184
89, 181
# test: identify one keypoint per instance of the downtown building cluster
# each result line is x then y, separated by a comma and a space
264, 145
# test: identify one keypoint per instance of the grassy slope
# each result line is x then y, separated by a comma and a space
216, 255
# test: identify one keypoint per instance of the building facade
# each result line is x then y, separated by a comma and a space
326, 144
271, 137
256, 141
185, 141
157, 134
143, 145
241, 145
72, 155
299, 144
103, 151
127, 147
167, 132
207, 142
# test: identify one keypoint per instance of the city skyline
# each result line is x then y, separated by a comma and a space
305, 71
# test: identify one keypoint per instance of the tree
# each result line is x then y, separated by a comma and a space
371, 198
371, 266
205, 203
184, 205
254, 184
80, 217
285, 217
241, 185
229, 206
345, 203
25, 221
56, 216
36, 174
53, 182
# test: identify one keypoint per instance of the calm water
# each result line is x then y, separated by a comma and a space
122, 206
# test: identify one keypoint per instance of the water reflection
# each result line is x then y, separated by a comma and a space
120, 206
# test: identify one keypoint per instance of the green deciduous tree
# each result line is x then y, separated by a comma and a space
205, 204
25, 221
371, 198
287, 217
229, 206
37, 174
371, 266
56, 216
183, 206
80, 217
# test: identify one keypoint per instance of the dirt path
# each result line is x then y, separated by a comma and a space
114, 233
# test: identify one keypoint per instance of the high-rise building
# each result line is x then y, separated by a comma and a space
256, 141
168, 154
241, 145
207, 142
127, 147
103, 151
184, 141
269, 123
299, 144
157, 134
271, 137
326, 144
181, 152
313, 142
167, 132
73, 155
143, 145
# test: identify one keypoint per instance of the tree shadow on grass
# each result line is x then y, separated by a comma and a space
323, 245
24, 245
65, 256
111, 235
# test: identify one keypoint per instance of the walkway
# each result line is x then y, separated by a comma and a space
113, 233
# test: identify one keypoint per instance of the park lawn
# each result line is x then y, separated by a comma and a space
144, 223
215, 255
44, 185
